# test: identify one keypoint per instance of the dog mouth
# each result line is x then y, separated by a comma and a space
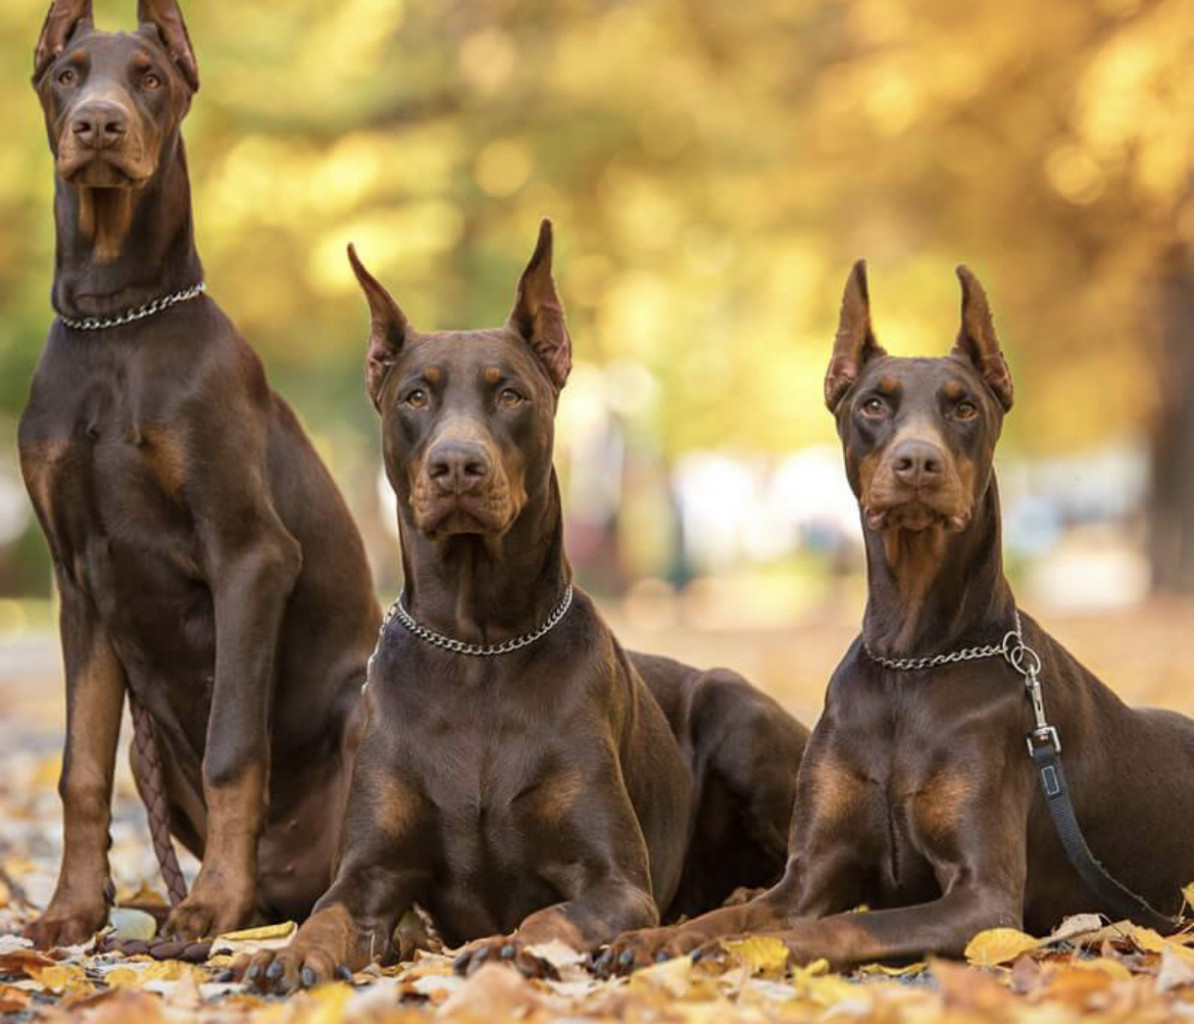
456, 515
102, 170
915, 514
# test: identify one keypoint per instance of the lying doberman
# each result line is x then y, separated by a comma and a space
207, 565
521, 776
917, 795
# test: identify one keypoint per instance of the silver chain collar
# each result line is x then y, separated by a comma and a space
398, 611
1013, 650
94, 323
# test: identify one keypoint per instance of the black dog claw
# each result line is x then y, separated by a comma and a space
308, 977
253, 973
697, 954
626, 959
460, 964
661, 957
508, 951
225, 976
275, 970
343, 973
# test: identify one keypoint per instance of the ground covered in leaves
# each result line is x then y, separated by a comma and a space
1089, 970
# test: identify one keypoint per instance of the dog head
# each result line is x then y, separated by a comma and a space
919, 434
467, 416
112, 101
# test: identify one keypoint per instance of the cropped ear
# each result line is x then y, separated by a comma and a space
977, 340
63, 18
389, 329
166, 17
855, 341
538, 315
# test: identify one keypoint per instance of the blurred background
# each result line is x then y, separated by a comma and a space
713, 169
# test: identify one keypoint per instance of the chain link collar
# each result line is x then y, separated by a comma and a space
1013, 650
398, 611
158, 305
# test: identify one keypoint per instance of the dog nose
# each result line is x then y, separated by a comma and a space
918, 464
99, 124
458, 467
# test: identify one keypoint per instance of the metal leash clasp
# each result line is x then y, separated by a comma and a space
1027, 662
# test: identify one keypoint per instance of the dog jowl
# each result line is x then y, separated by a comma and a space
207, 567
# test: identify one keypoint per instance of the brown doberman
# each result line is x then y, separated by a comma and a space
917, 796
206, 563
521, 776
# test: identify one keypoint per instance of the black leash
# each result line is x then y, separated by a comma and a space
1044, 745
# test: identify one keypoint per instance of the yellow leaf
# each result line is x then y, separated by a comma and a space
998, 946
1147, 939
61, 979
761, 954
1102, 965
123, 977
269, 931
1188, 895
895, 972
672, 976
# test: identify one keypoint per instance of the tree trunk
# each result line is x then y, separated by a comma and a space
1172, 498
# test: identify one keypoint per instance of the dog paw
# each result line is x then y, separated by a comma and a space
643, 948
200, 916
282, 971
67, 924
502, 949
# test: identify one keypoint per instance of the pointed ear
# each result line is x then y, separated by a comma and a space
538, 315
61, 21
166, 17
977, 340
389, 329
855, 341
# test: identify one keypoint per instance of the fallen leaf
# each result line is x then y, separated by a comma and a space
1176, 971
1074, 927
760, 954
269, 931
13, 999
491, 993
998, 946
672, 976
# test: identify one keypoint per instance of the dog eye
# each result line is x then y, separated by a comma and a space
874, 407
416, 399
965, 410
67, 76
509, 397
152, 80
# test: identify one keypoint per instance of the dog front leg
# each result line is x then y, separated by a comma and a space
94, 700
250, 595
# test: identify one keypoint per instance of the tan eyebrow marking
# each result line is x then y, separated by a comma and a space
79, 58
954, 391
142, 62
433, 374
492, 374
888, 385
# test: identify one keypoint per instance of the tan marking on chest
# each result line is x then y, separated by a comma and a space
40, 464
555, 799
166, 457
937, 808
836, 790
395, 805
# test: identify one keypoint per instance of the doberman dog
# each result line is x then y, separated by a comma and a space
206, 563
521, 776
917, 796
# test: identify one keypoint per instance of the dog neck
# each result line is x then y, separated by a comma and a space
484, 590
931, 592
121, 248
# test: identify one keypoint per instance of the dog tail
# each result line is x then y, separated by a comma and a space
147, 766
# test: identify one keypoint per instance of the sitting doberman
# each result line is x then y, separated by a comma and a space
207, 565
917, 796
521, 776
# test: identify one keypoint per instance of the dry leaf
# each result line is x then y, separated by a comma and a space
998, 946
492, 992
672, 976
760, 954
1176, 971
269, 931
